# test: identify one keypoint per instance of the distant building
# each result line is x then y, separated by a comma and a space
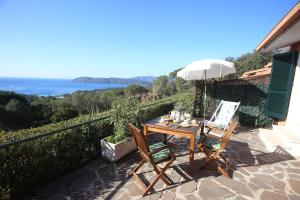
266, 70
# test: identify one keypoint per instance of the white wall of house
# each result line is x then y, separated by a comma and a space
293, 117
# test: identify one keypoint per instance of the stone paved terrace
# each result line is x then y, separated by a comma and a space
258, 175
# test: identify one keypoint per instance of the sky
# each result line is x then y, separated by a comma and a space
127, 38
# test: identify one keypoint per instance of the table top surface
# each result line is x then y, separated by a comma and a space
167, 125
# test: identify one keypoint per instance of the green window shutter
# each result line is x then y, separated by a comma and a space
282, 77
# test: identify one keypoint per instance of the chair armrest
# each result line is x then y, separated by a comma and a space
218, 134
221, 139
216, 130
213, 136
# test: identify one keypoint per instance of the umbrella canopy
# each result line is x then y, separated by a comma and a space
206, 69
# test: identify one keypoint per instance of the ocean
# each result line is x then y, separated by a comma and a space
49, 87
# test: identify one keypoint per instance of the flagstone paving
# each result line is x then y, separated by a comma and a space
259, 174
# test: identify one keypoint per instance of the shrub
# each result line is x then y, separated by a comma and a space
251, 96
27, 165
68, 146
123, 111
185, 103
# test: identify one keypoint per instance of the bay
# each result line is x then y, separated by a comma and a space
49, 87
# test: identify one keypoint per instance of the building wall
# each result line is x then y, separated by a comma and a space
293, 117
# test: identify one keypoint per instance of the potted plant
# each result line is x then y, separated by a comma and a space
120, 143
185, 105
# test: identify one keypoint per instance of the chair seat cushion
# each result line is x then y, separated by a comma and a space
210, 142
156, 146
160, 155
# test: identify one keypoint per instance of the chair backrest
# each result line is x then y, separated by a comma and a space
139, 140
228, 133
224, 113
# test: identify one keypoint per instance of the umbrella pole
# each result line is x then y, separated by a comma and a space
204, 103
196, 100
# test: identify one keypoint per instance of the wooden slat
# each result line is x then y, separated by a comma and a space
212, 156
145, 154
141, 183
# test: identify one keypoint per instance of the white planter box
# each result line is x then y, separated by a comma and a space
114, 152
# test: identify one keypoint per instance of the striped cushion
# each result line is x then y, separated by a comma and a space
156, 146
210, 142
162, 154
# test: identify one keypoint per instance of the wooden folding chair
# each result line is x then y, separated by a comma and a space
214, 145
153, 154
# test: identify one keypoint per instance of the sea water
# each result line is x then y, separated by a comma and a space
49, 87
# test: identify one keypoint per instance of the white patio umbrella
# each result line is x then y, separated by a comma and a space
206, 69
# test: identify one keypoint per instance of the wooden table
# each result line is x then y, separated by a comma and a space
170, 129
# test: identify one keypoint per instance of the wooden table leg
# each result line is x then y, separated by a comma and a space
192, 148
145, 133
192, 151
145, 130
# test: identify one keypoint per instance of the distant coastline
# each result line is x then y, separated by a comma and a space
51, 87
141, 80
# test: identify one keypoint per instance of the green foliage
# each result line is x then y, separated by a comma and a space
182, 85
63, 113
5, 97
15, 105
10, 119
15, 111
173, 74
185, 103
43, 108
23, 111
135, 91
123, 111
159, 87
154, 110
250, 61
26, 166
252, 98
171, 87
251, 110
89, 102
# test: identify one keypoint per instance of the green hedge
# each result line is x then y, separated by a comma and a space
252, 97
26, 166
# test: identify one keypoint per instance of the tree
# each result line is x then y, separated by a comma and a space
135, 90
173, 74
64, 112
251, 61
171, 87
14, 105
43, 109
160, 86
5, 97
77, 100
180, 84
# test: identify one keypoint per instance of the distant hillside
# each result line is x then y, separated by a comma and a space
142, 80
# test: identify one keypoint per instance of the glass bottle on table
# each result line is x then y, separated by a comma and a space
178, 117
182, 118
